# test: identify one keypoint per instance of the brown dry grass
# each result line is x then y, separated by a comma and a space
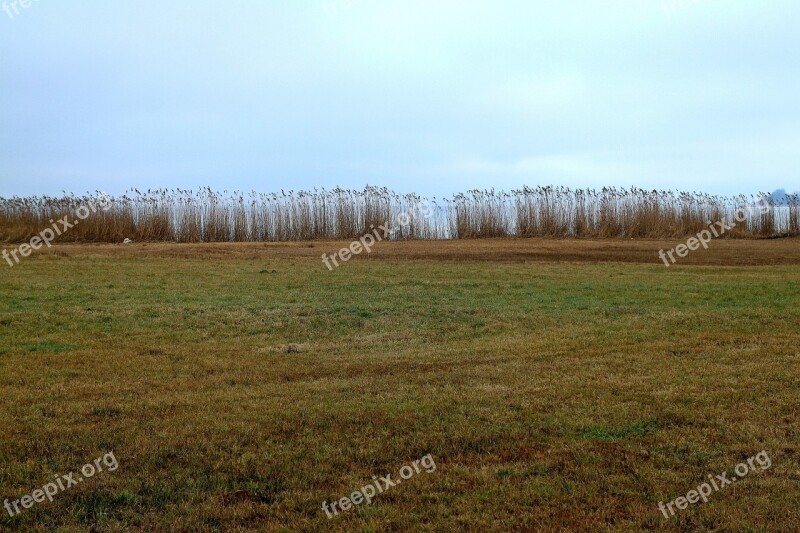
645, 251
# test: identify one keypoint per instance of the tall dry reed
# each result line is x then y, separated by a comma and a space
555, 212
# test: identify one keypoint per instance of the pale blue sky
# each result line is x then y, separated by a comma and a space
427, 96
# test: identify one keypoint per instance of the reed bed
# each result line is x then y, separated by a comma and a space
554, 212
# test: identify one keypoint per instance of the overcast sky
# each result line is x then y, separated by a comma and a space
430, 96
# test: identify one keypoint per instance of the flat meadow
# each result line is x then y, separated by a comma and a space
559, 385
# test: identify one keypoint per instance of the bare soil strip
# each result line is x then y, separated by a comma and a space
720, 253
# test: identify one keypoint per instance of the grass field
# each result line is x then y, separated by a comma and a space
558, 385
